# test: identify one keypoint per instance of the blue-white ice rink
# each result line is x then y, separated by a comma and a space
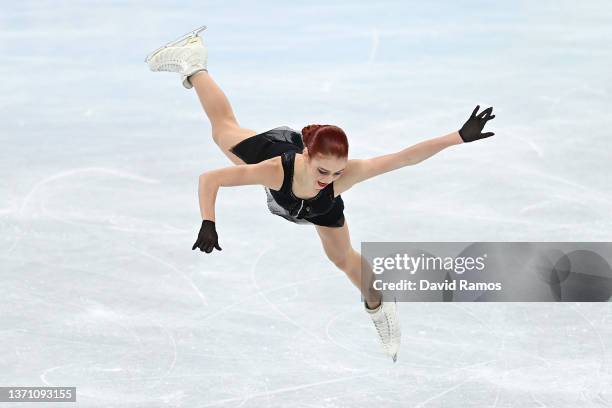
99, 161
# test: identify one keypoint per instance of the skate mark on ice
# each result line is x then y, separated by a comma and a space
174, 356
602, 346
187, 279
450, 389
69, 173
276, 309
72, 172
288, 389
259, 292
358, 352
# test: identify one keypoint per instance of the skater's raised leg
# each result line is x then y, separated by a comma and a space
226, 131
189, 58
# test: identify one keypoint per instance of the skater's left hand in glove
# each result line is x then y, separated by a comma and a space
207, 238
472, 129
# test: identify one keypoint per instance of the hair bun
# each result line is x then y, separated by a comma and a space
309, 131
325, 140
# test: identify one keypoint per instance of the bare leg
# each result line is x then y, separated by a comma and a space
355, 268
337, 246
225, 129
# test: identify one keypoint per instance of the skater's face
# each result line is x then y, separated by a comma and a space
325, 169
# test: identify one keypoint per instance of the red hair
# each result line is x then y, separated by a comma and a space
325, 140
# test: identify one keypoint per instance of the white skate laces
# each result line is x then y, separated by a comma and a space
185, 56
387, 325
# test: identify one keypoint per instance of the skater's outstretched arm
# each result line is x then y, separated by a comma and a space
362, 169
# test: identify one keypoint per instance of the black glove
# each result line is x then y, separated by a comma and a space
472, 128
207, 238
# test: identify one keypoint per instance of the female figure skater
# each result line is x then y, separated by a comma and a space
303, 173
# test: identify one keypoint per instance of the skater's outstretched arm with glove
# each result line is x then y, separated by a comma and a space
268, 173
362, 169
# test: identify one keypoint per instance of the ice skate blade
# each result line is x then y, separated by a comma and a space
192, 33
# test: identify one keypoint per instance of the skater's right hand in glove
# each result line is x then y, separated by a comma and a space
207, 238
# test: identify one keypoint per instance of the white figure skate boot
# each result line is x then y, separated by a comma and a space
186, 55
386, 321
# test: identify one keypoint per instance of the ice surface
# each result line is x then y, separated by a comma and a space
98, 201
